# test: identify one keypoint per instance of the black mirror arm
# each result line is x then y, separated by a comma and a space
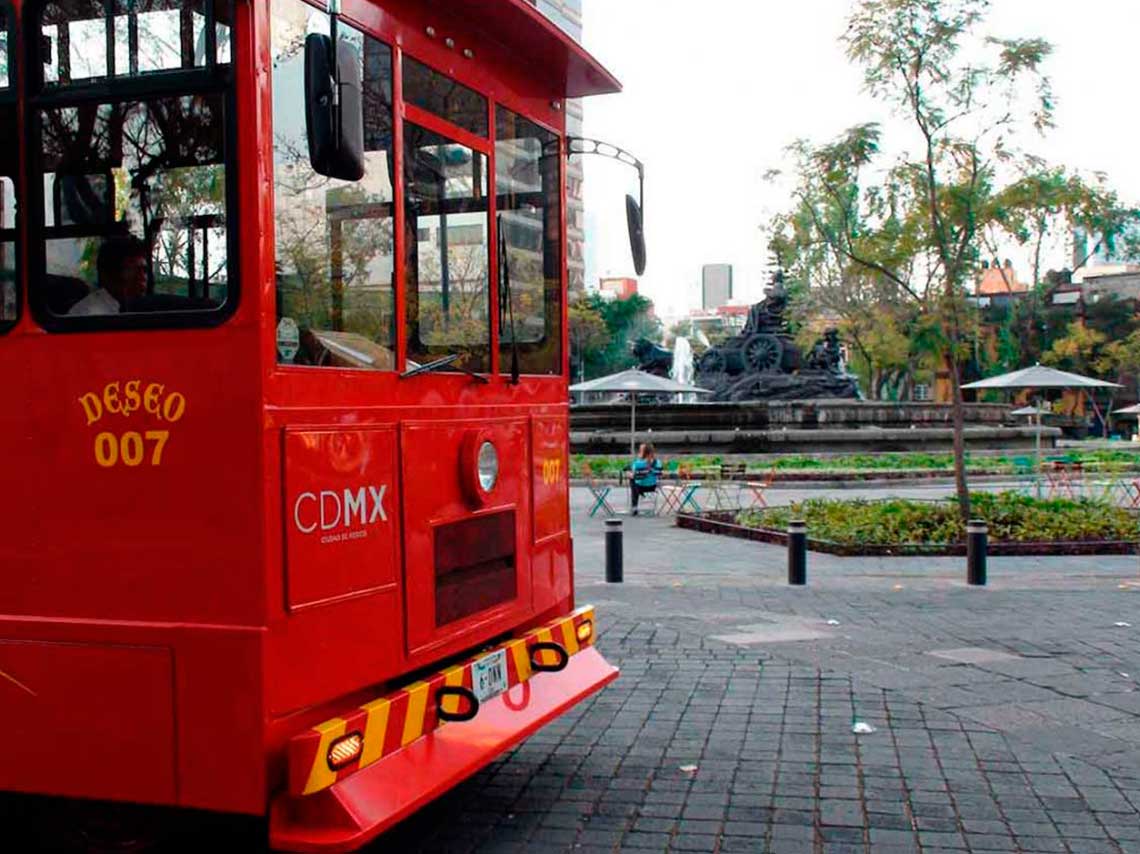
585, 145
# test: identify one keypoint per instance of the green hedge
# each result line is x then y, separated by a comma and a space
1098, 461
1012, 517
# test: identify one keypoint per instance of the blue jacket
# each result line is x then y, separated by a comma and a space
645, 474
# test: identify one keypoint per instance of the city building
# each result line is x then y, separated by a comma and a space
999, 279
1092, 256
716, 286
617, 288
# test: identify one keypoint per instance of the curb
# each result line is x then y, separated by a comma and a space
717, 522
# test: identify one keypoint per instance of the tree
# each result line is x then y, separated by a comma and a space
914, 228
1078, 351
587, 335
625, 321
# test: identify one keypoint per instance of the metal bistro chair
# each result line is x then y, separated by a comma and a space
721, 490
600, 491
755, 490
681, 495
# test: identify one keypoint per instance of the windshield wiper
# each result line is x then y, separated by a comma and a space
441, 363
505, 294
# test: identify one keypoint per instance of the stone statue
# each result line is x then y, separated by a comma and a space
764, 363
653, 358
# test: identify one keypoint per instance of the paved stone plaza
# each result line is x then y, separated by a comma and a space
1005, 719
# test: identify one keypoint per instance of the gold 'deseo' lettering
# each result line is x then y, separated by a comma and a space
125, 398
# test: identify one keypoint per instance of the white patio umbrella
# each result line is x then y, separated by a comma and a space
1039, 376
1134, 409
637, 382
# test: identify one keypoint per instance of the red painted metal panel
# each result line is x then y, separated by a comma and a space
341, 527
550, 475
87, 721
434, 495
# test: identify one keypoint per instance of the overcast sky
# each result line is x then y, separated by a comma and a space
715, 90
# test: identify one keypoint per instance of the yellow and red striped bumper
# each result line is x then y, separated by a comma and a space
394, 721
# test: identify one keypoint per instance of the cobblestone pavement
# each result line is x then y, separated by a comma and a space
1005, 719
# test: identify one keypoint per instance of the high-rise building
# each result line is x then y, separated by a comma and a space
567, 15
716, 286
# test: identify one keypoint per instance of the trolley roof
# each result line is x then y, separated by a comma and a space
534, 38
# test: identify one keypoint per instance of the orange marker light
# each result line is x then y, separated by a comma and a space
585, 630
345, 750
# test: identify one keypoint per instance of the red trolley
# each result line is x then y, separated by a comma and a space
285, 524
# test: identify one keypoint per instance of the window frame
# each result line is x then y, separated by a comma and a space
409, 112
393, 205
559, 213
213, 78
405, 42
10, 97
485, 147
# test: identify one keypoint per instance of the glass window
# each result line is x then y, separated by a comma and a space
87, 40
9, 168
528, 190
134, 206
335, 239
447, 280
5, 24
9, 290
440, 95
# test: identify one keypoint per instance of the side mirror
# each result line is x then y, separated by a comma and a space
334, 125
636, 233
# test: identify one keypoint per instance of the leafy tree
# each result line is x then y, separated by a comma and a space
915, 227
1078, 351
1045, 202
587, 336
624, 321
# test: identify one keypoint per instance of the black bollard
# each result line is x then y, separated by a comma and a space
976, 536
797, 552
614, 567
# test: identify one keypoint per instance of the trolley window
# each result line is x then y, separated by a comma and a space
9, 170
529, 198
335, 239
131, 161
86, 41
446, 245
440, 95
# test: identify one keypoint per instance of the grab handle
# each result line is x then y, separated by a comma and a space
463, 693
549, 646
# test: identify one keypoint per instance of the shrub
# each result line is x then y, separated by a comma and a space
1011, 517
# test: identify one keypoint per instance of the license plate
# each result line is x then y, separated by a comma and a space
489, 675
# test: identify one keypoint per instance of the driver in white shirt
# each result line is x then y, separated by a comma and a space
121, 268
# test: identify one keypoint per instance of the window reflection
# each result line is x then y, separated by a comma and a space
8, 281
146, 36
447, 261
335, 253
528, 200
440, 95
4, 23
134, 209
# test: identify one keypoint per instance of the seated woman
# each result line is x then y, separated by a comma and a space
646, 469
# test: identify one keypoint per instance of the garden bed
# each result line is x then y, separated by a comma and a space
859, 467
1019, 525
